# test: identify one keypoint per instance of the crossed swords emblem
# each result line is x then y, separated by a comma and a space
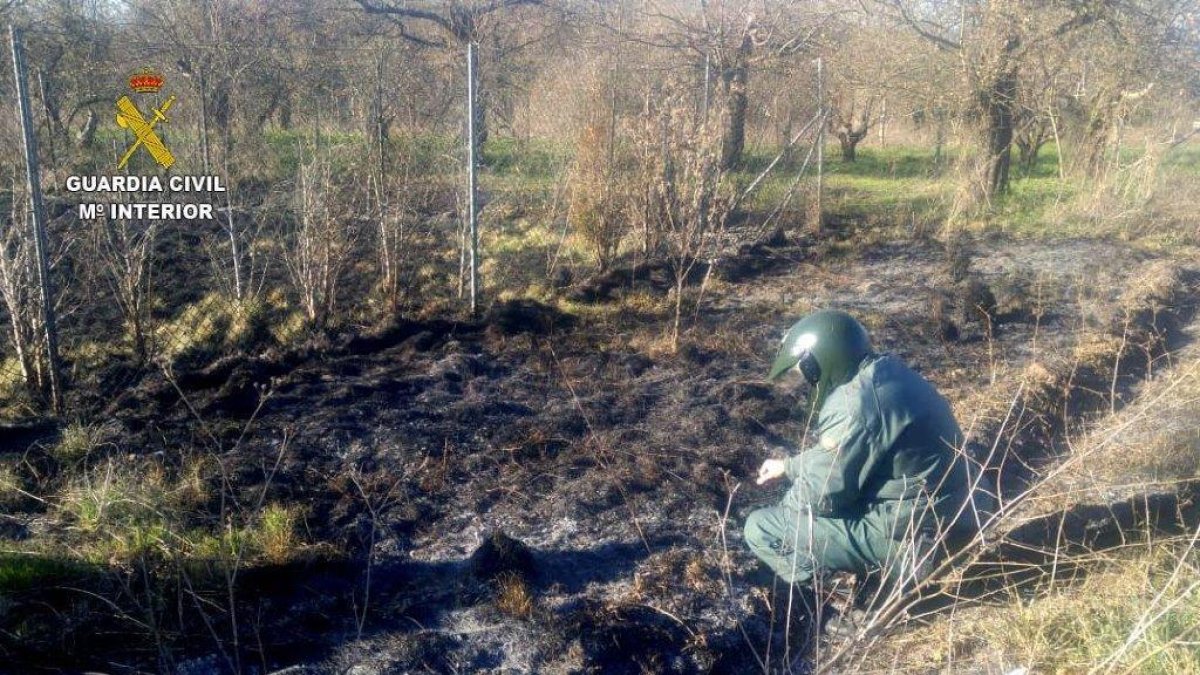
129, 117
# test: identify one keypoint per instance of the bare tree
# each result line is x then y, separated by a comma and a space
733, 38
450, 25
19, 290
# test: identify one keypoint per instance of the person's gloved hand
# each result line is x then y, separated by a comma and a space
770, 470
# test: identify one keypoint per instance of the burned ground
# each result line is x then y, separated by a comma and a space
450, 470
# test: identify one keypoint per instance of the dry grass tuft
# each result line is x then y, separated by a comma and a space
275, 534
1132, 614
513, 596
80, 439
11, 489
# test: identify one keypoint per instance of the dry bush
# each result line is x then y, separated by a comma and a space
1171, 209
971, 196
687, 195
320, 248
1135, 190
598, 199
20, 293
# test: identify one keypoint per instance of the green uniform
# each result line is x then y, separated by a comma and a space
886, 472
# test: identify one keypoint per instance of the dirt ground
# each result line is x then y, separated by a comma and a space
620, 471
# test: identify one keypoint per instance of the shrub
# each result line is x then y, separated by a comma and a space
688, 196
598, 198
320, 247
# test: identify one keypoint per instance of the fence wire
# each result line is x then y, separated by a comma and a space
341, 197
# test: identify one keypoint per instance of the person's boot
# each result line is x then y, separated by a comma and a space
846, 613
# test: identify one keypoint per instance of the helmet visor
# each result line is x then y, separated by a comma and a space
796, 351
809, 368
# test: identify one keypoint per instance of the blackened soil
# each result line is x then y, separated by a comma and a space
608, 463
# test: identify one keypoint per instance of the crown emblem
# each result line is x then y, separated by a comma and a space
146, 81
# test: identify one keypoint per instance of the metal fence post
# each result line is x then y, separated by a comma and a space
33, 176
818, 225
472, 187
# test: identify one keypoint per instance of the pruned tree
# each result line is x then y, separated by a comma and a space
851, 121
997, 44
67, 59
735, 39
992, 40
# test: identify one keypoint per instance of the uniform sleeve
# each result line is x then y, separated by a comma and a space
831, 475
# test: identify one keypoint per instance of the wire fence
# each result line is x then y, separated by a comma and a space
337, 184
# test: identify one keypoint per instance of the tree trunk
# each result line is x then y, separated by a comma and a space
849, 140
939, 141
1098, 133
849, 147
735, 76
999, 101
285, 113
1029, 146
87, 134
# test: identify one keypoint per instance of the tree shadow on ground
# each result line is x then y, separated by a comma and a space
1033, 438
294, 613
416, 597
1065, 546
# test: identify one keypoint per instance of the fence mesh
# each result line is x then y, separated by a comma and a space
342, 196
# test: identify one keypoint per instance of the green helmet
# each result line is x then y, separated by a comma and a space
827, 347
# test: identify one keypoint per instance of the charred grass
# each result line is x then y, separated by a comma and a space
328, 491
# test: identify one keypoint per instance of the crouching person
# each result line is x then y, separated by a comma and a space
885, 485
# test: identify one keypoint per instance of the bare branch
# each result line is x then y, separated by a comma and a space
371, 7
922, 28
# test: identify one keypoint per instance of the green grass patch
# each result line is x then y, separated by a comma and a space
534, 158
24, 571
1183, 159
